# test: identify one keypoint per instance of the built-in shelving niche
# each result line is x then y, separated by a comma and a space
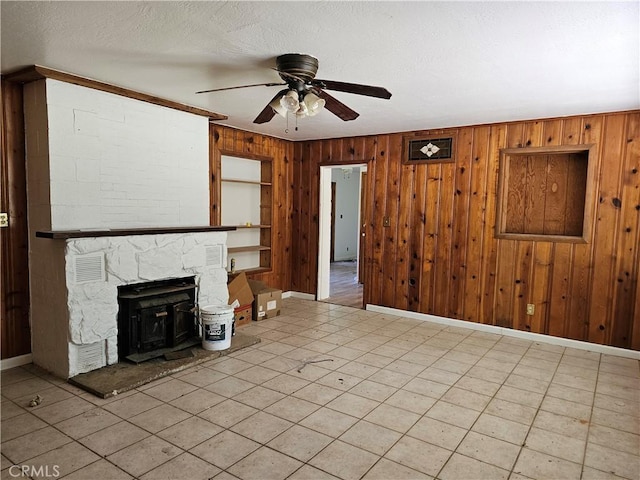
245, 201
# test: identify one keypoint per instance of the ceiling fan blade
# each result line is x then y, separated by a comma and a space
335, 106
368, 90
267, 112
242, 86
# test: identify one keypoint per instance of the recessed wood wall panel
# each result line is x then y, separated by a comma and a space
439, 254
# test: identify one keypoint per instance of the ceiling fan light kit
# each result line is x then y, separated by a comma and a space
305, 95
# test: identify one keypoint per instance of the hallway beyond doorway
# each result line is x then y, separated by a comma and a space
344, 287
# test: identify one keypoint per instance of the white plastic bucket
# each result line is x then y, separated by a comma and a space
217, 323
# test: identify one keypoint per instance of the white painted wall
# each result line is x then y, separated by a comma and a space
117, 162
347, 202
98, 160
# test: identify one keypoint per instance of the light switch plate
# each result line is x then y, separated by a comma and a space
386, 222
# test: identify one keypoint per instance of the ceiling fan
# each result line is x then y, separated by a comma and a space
305, 95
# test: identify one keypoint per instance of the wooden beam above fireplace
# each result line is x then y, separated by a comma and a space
65, 234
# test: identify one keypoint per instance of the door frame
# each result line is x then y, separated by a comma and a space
324, 226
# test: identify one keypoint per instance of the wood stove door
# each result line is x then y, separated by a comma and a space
183, 322
152, 329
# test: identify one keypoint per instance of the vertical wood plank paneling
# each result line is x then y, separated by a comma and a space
560, 290
576, 182
444, 251
539, 286
507, 254
392, 197
430, 243
535, 184
583, 254
380, 210
489, 259
523, 262
14, 239
417, 227
313, 195
555, 205
297, 246
460, 221
476, 224
542, 271
435, 207
405, 220
516, 176
607, 218
625, 274
562, 253
521, 277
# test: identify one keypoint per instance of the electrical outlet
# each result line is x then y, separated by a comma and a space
531, 309
4, 219
386, 222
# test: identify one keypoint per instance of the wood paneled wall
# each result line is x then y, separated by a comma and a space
14, 239
440, 255
238, 142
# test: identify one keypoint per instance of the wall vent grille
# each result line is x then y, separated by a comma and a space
89, 268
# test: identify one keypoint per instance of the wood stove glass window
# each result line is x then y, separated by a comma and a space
155, 317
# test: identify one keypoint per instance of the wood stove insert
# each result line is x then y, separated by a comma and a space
156, 318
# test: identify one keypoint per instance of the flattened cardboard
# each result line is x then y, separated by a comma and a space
240, 290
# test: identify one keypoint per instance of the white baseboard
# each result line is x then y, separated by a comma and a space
302, 296
508, 332
13, 362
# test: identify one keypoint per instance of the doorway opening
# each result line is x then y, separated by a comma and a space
340, 272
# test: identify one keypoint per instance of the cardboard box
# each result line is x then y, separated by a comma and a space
240, 290
267, 301
243, 315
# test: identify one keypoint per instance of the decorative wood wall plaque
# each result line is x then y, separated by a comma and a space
433, 148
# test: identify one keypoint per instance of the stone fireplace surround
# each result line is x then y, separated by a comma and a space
93, 265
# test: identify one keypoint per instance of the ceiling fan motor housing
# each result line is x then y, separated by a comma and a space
301, 65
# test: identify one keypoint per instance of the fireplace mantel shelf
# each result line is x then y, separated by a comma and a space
66, 234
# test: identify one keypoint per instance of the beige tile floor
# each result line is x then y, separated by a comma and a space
387, 398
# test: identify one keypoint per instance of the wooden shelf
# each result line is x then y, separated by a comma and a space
246, 182
248, 248
251, 270
253, 225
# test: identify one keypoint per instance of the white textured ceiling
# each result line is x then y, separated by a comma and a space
446, 63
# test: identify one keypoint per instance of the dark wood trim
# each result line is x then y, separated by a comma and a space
250, 156
65, 234
14, 239
37, 72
